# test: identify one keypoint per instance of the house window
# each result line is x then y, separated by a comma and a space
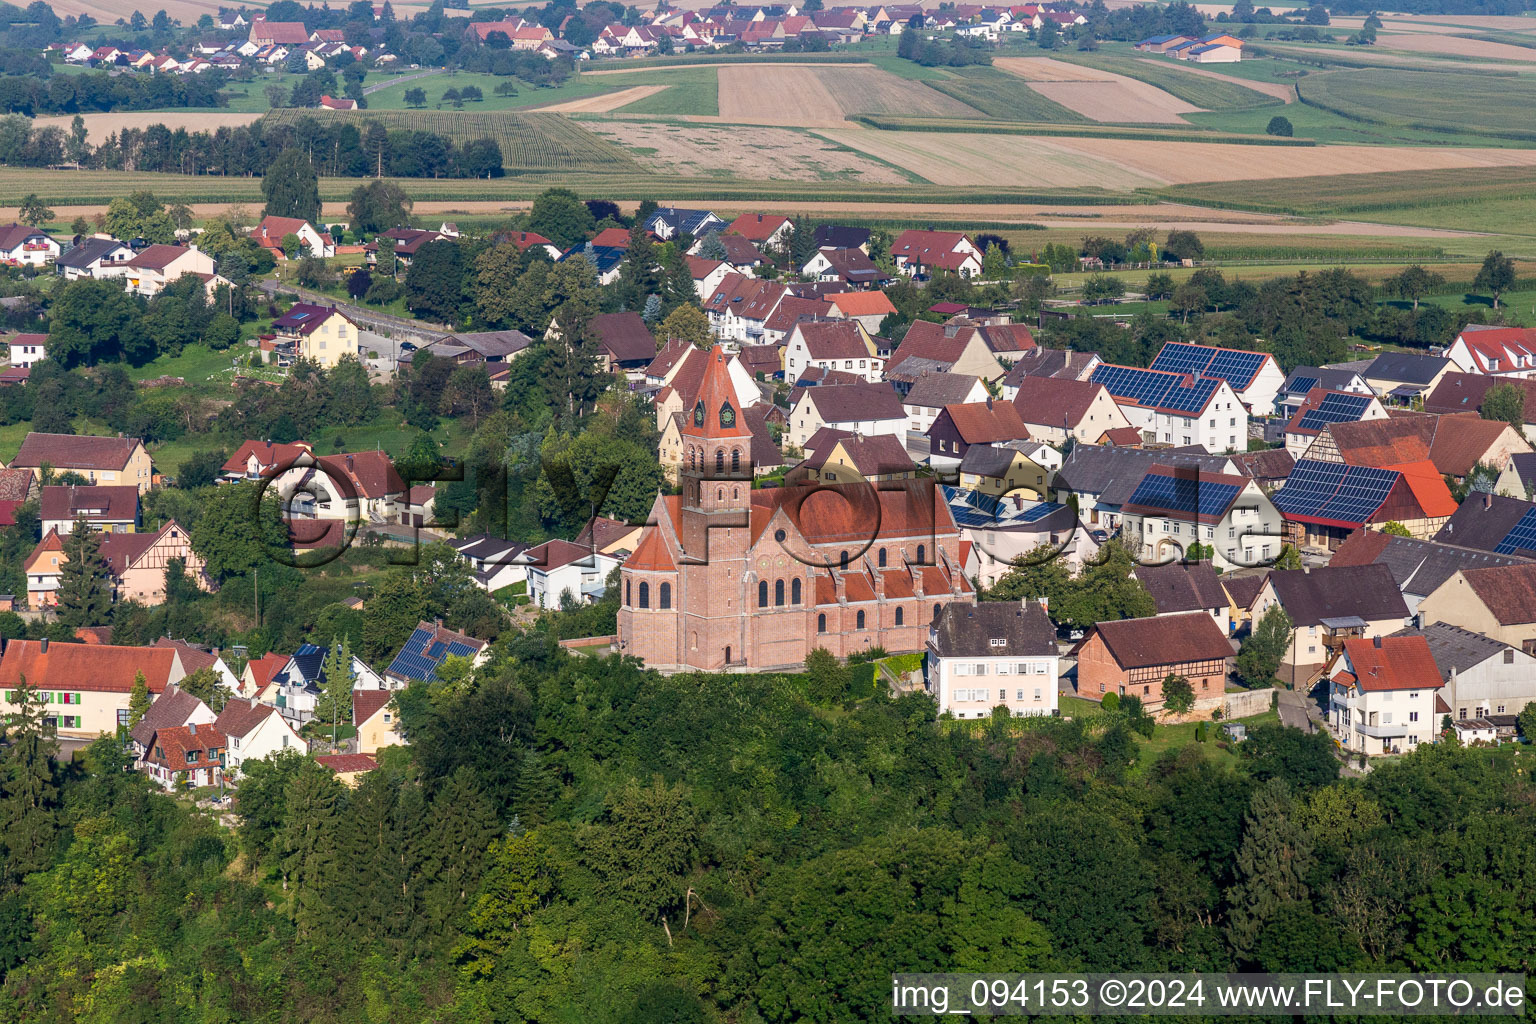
843, 560
778, 593
762, 594
922, 555
666, 596
858, 622
794, 591
122, 714
1509, 656
821, 623
645, 595
900, 616
880, 558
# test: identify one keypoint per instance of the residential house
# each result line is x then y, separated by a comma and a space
258, 672
407, 243
349, 486
740, 306
195, 658
488, 348
425, 649
278, 33
269, 234
156, 266
1324, 502
1498, 602
831, 345
851, 267
90, 255
1483, 678
1001, 469
609, 536
625, 345
135, 561
931, 392
1173, 508
1455, 445
1302, 380
1178, 588
24, 246
1381, 699
1403, 377
995, 530
1418, 567
348, 768
1321, 408
109, 509
172, 707
328, 102
996, 654
1518, 476
869, 308
951, 348
377, 720
1101, 479
258, 460
957, 427
841, 236
865, 409
792, 309
707, 274
295, 688
17, 487
858, 459
1056, 408
1499, 352
1133, 657
321, 334
101, 460
919, 253
1327, 606
669, 222
495, 562
85, 686
27, 350
186, 756
1494, 523
524, 240
1176, 408
1464, 393
1253, 376
1048, 362
761, 229
560, 572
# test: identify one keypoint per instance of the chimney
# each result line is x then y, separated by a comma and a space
192, 728
253, 703
42, 646
1376, 643
1487, 502
989, 402
349, 463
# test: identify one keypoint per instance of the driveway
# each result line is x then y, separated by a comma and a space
381, 333
1299, 711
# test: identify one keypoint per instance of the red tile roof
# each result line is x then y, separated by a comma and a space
1164, 640
985, 422
617, 238
1056, 401
241, 717
69, 451
870, 303
97, 502
756, 227
371, 473
177, 741
269, 455
1390, 663
348, 763
1508, 592
832, 339
100, 668
157, 256
367, 703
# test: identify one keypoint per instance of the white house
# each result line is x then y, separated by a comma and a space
560, 572
831, 345
919, 253
1498, 351
1254, 377
1483, 678
993, 654
28, 349
1177, 409
269, 234
253, 731
931, 392
158, 265
865, 409
23, 246
295, 688
1381, 699
1172, 508
87, 258
740, 307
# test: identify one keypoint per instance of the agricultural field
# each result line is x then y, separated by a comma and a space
694, 150
817, 97
528, 141
99, 126
996, 93
1498, 106
1201, 88
678, 93
577, 87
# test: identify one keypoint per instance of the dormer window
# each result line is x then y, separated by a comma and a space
999, 641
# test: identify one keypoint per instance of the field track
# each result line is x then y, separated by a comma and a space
604, 103
721, 64
1047, 69
1459, 46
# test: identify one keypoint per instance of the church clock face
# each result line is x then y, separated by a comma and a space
698, 415
727, 415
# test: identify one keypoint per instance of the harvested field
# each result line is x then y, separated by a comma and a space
718, 64
604, 103
1281, 92
777, 154
1057, 162
1457, 46
772, 94
871, 90
99, 126
1047, 69
981, 159
1123, 102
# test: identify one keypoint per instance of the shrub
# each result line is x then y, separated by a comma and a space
1280, 126
1111, 702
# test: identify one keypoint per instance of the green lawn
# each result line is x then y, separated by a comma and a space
576, 87
687, 92
1166, 738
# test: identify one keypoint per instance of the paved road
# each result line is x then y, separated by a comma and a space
404, 78
1299, 711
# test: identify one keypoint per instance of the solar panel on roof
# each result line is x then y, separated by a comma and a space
1335, 409
1236, 367
1301, 385
1521, 538
1332, 490
1186, 495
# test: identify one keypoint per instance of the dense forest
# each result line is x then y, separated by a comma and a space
569, 839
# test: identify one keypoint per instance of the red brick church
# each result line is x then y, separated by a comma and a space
727, 577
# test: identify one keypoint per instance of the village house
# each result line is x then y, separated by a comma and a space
919, 253
1253, 376
761, 229
1173, 508
269, 234
995, 530
1324, 502
869, 308
494, 561
1493, 523
172, 707
23, 246
27, 350
707, 274
136, 562
1133, 658
1177, 408
1456, 445
740, 306
851, 267
864, 409
278, 33
1418, 566
108, 509
1055, 408
997, 654
561, 573
425, 649
625, 345
407, 243
1180, 587
1498, 602
1381, 699
931, 392
101, 460
321, 334
158, 265
792, 309
1483, 678
84, 686
1402, 377
1327, 606
1320, 408
377, 720
1464, 393
1100, 479
1508, 352
957, 427
295, 688
1300, 382
186, 756
258, 460
87, 258
349, 769
831, 345
669, 222
1048, 362
1004, 469
857, 459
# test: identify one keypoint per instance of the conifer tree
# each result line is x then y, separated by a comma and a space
28, 815
1272, 865
334, 706
307, 844
462, 826
138, 699
85, 593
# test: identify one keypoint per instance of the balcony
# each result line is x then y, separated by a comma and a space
1385, 732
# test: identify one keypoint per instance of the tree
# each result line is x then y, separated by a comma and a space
34, 211
687, 323
825, 680
416, 97
1526, 722
1048, 36
239, 525
1102, 288
206, 686
306, 843
1178, 694
1189, 298
469, 391
28, 800
1260, 656
1505, 403
1280, 126
1159, 286
560, 216
434, 282
291, 245
519, 879
85, 587
379, 206
1271, 866
393, 611
1395, 529
1183, 245
1289, 557
291, 187
1496, 276
138, 699
94, 321
335, 702
1414, 282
